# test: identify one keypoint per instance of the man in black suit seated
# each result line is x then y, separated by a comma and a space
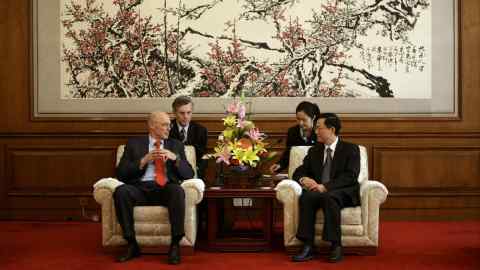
152, 168
189, 132
328, 176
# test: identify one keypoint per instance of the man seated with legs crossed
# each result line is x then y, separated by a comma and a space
328, 176
152, 168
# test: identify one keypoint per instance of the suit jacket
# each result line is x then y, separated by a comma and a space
196, 136
128, 170
294, 139
344, 173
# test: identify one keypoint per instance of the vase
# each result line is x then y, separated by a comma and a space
242, 177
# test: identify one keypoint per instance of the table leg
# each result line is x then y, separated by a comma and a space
212, 221
268, 220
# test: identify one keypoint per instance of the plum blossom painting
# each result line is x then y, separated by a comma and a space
356, 57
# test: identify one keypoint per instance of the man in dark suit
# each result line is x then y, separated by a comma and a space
189, 132
328, 176
152, 168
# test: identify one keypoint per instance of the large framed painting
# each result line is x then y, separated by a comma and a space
123, 58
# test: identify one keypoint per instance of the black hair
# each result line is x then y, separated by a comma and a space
332, 120
309, 108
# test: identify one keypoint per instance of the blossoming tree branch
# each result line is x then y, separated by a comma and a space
120, 53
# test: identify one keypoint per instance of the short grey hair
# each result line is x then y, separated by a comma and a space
155, 115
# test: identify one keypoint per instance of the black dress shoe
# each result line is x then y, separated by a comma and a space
305, 255
336, 254
174, 254
132, 251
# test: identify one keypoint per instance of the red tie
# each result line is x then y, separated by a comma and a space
159, 169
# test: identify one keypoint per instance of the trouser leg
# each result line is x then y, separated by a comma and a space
125, 198
173, 197
308, 205
332, 219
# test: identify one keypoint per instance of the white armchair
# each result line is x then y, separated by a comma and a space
359, 224
151, 222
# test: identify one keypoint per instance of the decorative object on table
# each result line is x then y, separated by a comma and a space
240, 150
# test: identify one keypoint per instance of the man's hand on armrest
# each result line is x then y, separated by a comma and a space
307, 182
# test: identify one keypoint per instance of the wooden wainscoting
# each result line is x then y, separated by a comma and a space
429, 181
54, 180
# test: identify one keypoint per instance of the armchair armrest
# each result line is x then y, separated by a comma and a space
103, 189
372, 193
193, 190
288, 193
287, 190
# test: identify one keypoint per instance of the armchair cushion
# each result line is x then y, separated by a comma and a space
349, 216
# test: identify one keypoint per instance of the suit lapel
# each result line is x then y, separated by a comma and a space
321, 154
189, 132
336, 157
144, 145
174, 130
168, 144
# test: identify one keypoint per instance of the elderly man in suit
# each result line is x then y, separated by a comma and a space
328, 176
189, 132
152, 168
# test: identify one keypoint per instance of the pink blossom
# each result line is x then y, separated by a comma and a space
204, 94
233, 107
241, 123
255, 134
241, 111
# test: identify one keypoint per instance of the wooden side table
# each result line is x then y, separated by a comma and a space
215, 198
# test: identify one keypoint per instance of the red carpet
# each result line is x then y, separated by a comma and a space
403, 245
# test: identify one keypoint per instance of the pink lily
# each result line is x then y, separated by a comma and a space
255, 134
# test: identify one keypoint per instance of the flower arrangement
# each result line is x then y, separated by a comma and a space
241, 143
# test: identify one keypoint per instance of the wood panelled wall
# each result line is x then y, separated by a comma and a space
47, 167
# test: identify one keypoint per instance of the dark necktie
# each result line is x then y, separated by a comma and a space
182, 135
160, 177
327, 167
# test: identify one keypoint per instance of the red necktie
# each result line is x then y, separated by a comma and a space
159, 169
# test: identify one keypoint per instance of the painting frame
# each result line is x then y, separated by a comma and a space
46, 102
